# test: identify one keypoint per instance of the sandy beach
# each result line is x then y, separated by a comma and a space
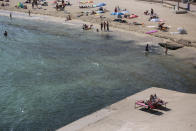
174, 21
122, 116
165, 13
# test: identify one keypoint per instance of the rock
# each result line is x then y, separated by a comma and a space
180, 11
184, 42
170, 46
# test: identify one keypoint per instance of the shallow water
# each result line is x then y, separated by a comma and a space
52, 74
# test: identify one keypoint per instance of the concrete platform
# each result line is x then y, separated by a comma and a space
180, 114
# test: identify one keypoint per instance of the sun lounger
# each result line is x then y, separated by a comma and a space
150, 104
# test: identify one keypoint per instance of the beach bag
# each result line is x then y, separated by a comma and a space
181, 30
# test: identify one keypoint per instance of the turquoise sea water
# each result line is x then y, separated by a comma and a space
53, 74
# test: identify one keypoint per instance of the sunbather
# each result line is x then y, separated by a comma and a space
161, 27
146, 12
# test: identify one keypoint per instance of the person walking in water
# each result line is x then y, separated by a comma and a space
5, 33
107, 25
147, 48
10, 15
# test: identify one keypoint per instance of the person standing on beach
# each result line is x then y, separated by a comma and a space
115, 9
101, 26
166, 50
29, 13
107, 25
152, 11
33, 4
63, 3
104, 25
57, 6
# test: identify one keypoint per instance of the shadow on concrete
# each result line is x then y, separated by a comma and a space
154, 112
163, 108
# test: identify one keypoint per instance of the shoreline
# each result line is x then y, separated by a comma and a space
185, 40
189, 53
76, 23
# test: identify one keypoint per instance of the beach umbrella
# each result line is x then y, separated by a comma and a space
100, 4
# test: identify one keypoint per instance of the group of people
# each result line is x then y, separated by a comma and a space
151, 13
105, 26
117, 9
153, 98
62, 5
34, 3
86, 27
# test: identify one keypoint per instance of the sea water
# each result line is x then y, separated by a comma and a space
52, 74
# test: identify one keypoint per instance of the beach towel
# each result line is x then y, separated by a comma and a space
100, 11
133, 16
151, 26
152, 31
156, 20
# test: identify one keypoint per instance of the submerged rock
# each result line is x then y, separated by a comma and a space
170, 46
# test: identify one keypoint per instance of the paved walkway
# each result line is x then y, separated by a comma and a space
179, 115
183, 5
